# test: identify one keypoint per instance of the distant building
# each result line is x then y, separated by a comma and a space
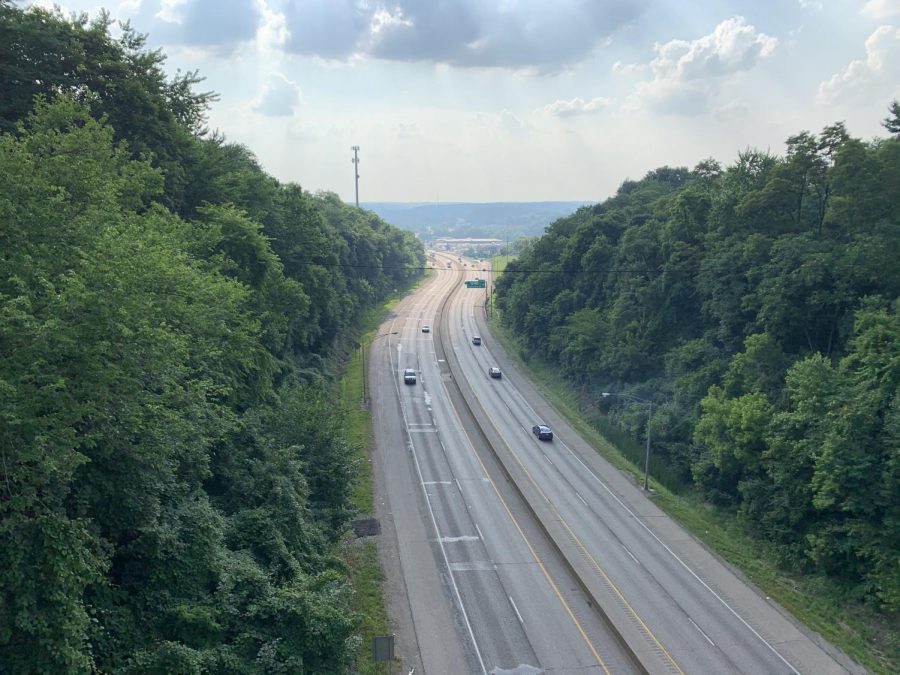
468, 244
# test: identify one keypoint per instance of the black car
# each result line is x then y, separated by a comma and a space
409, 376
542, 431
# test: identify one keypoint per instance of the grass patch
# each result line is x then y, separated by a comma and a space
499, 263
361, 558
358, 431
870, 638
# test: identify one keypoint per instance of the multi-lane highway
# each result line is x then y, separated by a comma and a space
500, 547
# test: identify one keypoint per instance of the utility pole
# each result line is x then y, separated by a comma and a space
355, 161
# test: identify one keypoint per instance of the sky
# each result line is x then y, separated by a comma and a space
520, 100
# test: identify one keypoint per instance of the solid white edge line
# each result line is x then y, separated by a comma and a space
513, 603
630, 553
682, 563
701, 632
462, 607
527, 405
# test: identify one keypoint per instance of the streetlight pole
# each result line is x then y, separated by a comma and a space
647, 457
649, 404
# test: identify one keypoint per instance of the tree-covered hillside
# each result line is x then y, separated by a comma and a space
757, 307
173, 474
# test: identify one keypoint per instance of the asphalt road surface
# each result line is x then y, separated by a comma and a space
476, 584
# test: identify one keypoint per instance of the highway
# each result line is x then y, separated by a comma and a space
503, 546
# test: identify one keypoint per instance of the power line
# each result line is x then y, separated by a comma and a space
412, 268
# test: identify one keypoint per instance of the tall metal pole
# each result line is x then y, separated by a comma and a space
490, 293
647, 460
365, 385
649, 420
355, 161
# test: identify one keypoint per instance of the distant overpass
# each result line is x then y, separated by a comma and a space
467, 243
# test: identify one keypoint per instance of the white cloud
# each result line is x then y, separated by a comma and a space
217, 26
329, 29
50, 5
170, 11
576, 106
688, 74
509, 122
731, 111
272, 33
504, 121
812, 4
383, 19
881, 9
876, 76
404, 130
125, 9
521, 34
620, 68
278, 97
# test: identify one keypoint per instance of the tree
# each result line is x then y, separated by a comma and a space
731, 435
167, 312
892, 121
794, 438
854, 484
753, 296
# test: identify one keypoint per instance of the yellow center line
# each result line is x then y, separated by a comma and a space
528, 544
544, 569
587, 553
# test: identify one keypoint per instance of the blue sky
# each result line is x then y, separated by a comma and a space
521, 100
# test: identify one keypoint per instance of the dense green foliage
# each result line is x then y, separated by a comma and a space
757, 306
173, 474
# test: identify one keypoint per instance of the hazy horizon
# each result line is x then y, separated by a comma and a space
474, 102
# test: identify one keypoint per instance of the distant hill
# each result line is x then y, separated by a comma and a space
502, 220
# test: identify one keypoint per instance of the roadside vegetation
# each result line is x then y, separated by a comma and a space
865, 634
175, 478
756, 306
361, 557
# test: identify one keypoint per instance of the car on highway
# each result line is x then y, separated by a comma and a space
494, 372
476, 340
409, 376
542, 431
426, 328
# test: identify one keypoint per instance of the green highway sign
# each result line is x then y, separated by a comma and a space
475, 283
